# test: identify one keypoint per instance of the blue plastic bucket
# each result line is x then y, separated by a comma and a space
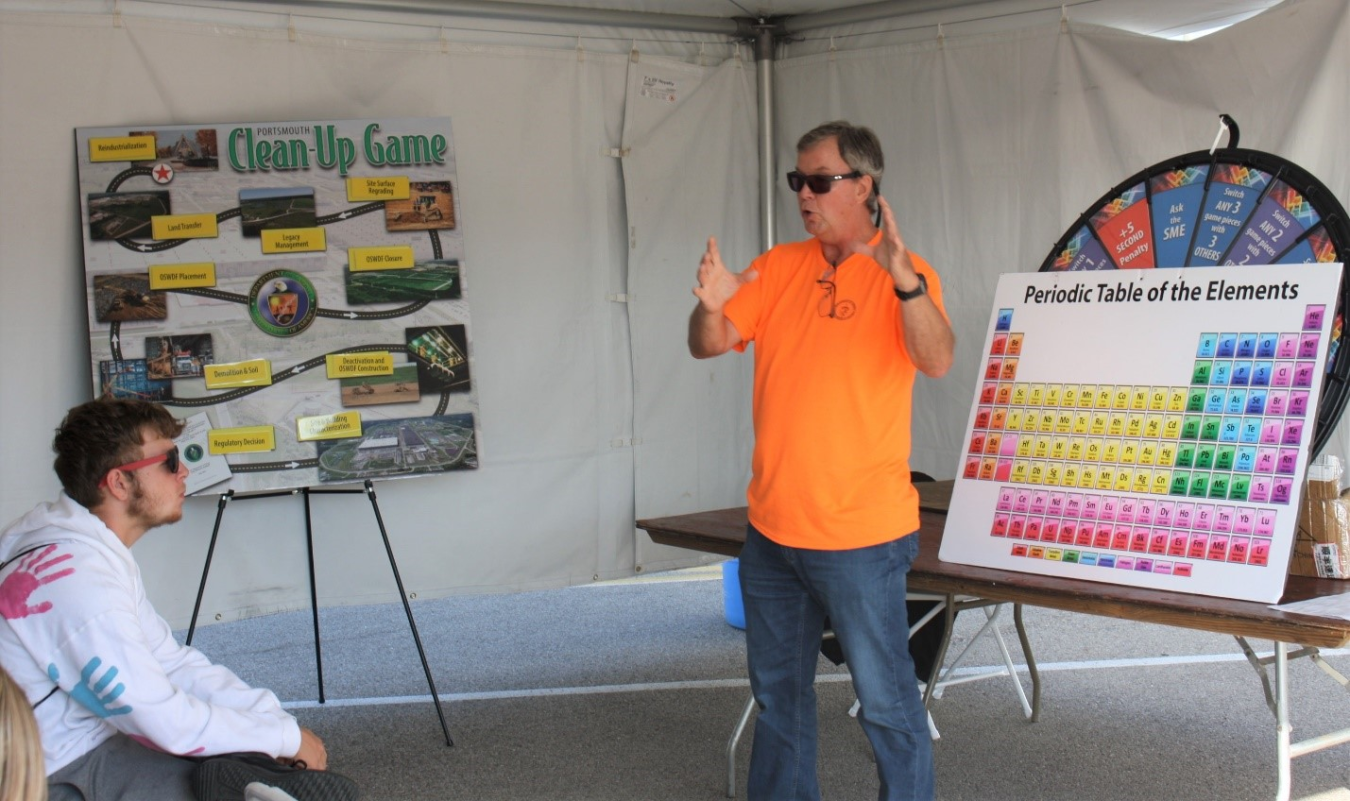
732, 604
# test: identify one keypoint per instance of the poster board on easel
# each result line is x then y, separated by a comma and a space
1149, 428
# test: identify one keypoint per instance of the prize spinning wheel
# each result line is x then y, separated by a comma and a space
1219, 207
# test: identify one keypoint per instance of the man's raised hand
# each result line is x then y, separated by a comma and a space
717, 284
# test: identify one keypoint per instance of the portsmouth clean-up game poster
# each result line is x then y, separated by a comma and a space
1148, 428
295, 290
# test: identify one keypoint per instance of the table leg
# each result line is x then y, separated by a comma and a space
1282, 730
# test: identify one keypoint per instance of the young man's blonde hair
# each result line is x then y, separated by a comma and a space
22, 775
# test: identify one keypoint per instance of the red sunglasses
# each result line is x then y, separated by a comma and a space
169, 458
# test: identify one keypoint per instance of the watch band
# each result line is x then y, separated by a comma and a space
921, 289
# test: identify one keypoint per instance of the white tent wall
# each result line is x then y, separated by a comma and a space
546, 247
996, 143
687, 179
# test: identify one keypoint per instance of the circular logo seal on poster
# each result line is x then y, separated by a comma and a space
193, 453
283, 303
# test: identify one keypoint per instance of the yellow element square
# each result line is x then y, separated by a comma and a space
1054, 474
1047, 423
1036, 475
1120, 398
1100, 420
1025, 446
1068, 397
1124, 479
1176, 399
1148, 453
1111, 451
1104, 395
1019, 471
1076, 446
1059, 447
1042, 448
1116, 427
1139, 399
1063, 422
1143, 478
1134, 426
1105, 478
1053, 392
1087, 477
1129, 452
1167, 454
1086, 394
1153, 426
1157, 399
1014, 420
1082, 421
1162, 482
1036, 395
1071, 475
1020, 394
1171, 427
1092, 452
1031, 420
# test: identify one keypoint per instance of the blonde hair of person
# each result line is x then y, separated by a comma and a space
22, 776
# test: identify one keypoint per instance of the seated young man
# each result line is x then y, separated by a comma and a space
123, 710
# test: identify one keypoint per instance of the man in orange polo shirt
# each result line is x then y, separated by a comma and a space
841, 322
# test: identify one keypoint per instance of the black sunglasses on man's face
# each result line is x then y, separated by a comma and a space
820, 184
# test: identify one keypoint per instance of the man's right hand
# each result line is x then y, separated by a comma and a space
717, 284
312, 751
710, 332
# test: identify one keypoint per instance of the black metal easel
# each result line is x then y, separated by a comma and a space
369, 490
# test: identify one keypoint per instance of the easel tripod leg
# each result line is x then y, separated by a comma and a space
313, 595
206, 568
407, 608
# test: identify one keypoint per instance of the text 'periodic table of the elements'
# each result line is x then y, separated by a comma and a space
1148, 428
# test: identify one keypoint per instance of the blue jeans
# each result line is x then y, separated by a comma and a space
788, 593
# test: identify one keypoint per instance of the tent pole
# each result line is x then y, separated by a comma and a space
764, 56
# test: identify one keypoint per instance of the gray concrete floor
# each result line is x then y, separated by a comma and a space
629, 690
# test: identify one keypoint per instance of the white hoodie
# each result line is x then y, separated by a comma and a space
73, 614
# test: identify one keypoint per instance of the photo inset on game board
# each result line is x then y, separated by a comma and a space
178, 356
400, 448
129, 378
435, 279
117, 215
398, 387
441, 356
126, 297
272, 209
187, 149
430, 206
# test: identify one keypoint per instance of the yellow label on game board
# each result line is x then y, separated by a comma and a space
1105, 478
1070, 475
1019, 471
183, 226
1036, 395
1087, 477
121, 148
1025, 446
1052, 394
1103, 397
1020, 394
340, 425
1167, 454
257, 372
248, 439
1162, 480
182, 276
1036, 474
293, 240
1086, 394
1171, 427
1124, 477
1069, 397
389, 187
392, 257
1093, 450
1076, 449
1054, 473
1176, 399
353, 365
1157, 399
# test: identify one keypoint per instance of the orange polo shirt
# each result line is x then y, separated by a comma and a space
832, 399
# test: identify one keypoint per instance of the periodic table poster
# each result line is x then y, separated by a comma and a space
1148, 428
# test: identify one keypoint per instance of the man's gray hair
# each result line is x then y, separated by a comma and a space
859, 147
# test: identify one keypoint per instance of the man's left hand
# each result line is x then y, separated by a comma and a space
891, 252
